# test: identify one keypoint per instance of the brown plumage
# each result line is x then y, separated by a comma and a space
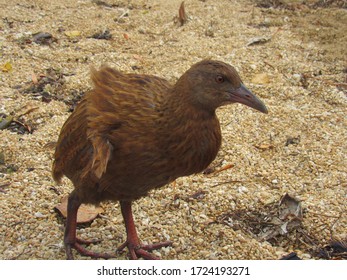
133, 133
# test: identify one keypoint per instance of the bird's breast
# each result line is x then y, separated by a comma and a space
194, 146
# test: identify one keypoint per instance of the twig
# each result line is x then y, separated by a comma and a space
28, 112
2, 187
226, 167
228, 182
123, 15
16, 257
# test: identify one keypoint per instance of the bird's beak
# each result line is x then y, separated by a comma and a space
244, 96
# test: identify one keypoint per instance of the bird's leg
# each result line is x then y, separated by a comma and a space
70, 239
136, 249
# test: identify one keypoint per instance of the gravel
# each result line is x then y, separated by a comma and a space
299, 148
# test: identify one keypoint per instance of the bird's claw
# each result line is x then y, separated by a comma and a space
77, 245
142, 251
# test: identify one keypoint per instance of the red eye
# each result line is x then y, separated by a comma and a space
219, 79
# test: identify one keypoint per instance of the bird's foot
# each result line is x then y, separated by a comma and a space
77, 245
136, 250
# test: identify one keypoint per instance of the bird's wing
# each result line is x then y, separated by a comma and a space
82, 147
102, 118
72, 140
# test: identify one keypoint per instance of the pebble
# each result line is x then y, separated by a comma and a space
39, 215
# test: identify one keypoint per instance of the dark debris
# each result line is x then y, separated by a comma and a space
335, 250
293, 5
19, 125
102, 35
51, 86
292, 140
8, 169
43, 38
276, 223
291, 256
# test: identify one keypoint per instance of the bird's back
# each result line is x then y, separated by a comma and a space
111, 131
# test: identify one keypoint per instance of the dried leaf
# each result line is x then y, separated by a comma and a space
7, 67
226, 167
267, 225
72, 34
290, 208
5, 122
289, 218
43, 38
86, 213
182, 16
264, 146
258, 41
34, 79
24, 125
213, 170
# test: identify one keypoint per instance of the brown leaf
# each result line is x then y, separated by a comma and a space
182, 16
34, 79
289, 218
226, 167
25, 126
290, 208
86, 213
212, 170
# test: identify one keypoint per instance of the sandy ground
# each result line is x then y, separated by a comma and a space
296, 65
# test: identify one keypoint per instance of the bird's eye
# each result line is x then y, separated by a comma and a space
219, 79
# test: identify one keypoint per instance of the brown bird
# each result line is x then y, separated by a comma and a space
133, 133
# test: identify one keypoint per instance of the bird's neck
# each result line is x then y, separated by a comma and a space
193, 135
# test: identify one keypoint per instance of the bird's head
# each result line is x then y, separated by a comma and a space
210, 84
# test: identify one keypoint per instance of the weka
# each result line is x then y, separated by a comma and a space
134, 133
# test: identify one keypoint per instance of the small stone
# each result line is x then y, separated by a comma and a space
242, 189
262, 79
39, 215
297, 77
199, 241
